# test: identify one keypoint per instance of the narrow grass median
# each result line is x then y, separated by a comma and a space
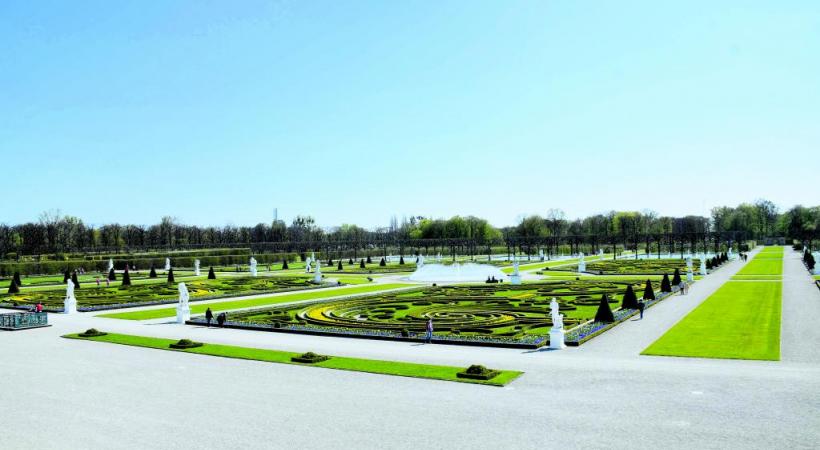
404, 369
255, 302
741, 320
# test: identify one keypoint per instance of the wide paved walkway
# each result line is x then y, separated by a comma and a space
800, 330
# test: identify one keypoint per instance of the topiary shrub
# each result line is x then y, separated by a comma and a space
185, 343
91, 332
309, 358
478, 372
604, 313
630, 300
649, 291
382, 263
16, 279
112, 276
339, 266
66, 276
401, 260
126, 277
211, 273
285, 264
350, 261
369, 261
153, 273
361, 264
75, 280
666, 286
676, 279
329, 262
13, 288
171, 275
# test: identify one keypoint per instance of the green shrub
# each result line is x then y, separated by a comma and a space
361, 264
75, 280
171, 275
153, 273
382, 263
13, 288
369, 261
350, 261
211, 273
649, 291
91, 332
309, 358
630, 300
126, 278
401, 260
339, 266
66, 276
666, 286
676, 279
185, 343
16, 279
604, 313
285, 264
478, 372
112, 276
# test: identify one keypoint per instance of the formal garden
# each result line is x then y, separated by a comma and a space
628, 266
92, 297
493, 314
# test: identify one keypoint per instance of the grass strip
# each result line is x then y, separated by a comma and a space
739, 321
396, 368
254, 302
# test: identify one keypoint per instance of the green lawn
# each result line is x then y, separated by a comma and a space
768, 262
739, 321
405, 369
250, 303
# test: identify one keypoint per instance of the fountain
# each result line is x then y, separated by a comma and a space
582, 265
110, 265
440, 273
515, 278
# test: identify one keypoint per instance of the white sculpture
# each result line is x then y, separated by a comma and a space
690, 276
515, 278
308, 268
183, 310
420, 264
689, 263
438, 257
110, 264
167, 264
582, 265
196, 268
252, 265
317, 276
541, 254
557, 330
703, 264
601, 253
70, 303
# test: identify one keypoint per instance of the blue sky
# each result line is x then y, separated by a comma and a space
217, 112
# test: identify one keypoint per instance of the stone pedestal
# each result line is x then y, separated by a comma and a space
557, 339
183, 313
515, 279
70, 305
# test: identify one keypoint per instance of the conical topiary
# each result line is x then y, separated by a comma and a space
350, 261
211, 273
126, 277
339, 267
153, 273
401, 260
13, 287
75, 280
171, 275
112, 276
649, 291
630, 300
676, 280
369, 261
666, 286
604, 313
66, 276
382, 263
16, 278
361, 264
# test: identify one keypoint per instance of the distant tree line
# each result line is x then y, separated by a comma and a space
56, 233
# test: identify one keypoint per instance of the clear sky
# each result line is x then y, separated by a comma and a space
217, 112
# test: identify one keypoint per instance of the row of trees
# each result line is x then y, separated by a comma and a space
56, 233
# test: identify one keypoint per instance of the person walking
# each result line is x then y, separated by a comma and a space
682, 288
220, 319
641, 307
39, 307
209, 316
429, 337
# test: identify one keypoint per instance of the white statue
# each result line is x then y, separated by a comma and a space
689, 263
167, 264
308, 268
70, 303
196, 267
312, 256
420, 264
183, 310
252, 265
515, 278
317, 276
110, 264
703, 264
438, 257
557, 330
516, 268
582, 265
541, 254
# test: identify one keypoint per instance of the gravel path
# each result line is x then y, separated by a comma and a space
800, 329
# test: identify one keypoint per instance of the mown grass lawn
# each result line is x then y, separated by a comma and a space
741, 320
405, 369
250, 303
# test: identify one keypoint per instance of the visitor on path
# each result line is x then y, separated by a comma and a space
429, 337
98, 281
209, 316
220, 319
682, 288
641, 307
39, 307
107, 282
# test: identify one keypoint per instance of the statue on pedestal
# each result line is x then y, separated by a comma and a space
252, 265
70, 303
183, 310
167, 264
196, 268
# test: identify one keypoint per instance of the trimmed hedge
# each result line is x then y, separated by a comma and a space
478, 372
309, 358
185, 343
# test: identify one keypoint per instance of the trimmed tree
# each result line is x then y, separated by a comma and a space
211, 273
369, 261
171, 275
382, 263
13, 287
666, 286
630, 299
153, 273
284, 264
649, 291
401, 260
329, 262
339, 267
66, 276
112, 276
604, 313
16, 278
126, 278
350, 261
361, 264
75, 280
676, 279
